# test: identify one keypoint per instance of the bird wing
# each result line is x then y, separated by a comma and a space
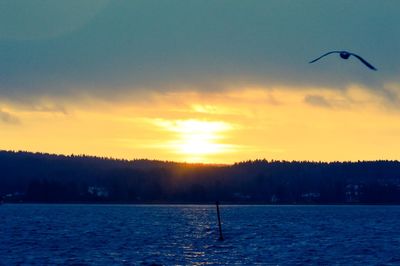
324, 55
365, 62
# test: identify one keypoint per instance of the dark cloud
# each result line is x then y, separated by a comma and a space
317, 100
130, 45
8, 118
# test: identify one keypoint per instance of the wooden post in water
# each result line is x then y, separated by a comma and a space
219, 222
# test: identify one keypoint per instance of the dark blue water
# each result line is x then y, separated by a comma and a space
188, 235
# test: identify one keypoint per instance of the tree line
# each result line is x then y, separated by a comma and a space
40, 177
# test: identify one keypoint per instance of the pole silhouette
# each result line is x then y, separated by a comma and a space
221, 237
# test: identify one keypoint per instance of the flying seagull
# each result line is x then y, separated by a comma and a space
346, 55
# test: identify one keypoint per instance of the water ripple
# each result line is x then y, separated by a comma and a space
188, 235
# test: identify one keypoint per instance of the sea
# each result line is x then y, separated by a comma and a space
74, 234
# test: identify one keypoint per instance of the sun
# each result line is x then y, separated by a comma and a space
197, 139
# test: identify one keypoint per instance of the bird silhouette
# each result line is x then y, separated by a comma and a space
346, 55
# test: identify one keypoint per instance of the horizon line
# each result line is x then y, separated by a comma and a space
193, 163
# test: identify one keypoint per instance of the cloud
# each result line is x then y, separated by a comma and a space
45, 19
8, 118
48, 107
118, 47
317, 100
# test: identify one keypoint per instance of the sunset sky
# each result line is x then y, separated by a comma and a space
200, 81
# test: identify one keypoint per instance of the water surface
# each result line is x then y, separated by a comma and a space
188, 235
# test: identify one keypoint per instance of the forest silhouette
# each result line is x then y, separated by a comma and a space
40, 177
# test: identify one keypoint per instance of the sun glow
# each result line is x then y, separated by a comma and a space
197, 139
236, 125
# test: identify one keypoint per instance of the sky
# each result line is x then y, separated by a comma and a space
201, 81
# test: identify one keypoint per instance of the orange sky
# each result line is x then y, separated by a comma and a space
225, 127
